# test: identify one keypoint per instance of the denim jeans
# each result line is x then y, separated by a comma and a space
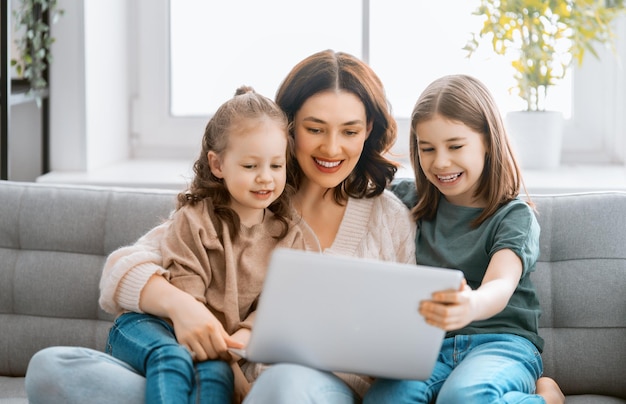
288, 384
148, 344
471, 369
76, 375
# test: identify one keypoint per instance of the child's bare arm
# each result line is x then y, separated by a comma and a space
242, 336
454, 309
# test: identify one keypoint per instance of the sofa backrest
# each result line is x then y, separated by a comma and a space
581, 279
53, 244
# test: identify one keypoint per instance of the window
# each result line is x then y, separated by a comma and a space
217, 46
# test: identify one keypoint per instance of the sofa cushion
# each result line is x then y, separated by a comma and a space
580, 279
53, 244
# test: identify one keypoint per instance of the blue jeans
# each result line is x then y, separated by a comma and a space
148, 344
76, 375
471, 369
288, 384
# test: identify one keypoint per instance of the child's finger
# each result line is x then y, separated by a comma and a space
446, 296
233, 343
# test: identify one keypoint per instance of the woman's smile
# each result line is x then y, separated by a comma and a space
329, 166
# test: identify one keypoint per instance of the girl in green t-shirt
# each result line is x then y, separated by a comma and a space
469, 217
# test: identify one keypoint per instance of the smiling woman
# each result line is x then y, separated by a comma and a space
331, 129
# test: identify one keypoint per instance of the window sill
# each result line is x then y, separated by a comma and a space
176, 174
161, 174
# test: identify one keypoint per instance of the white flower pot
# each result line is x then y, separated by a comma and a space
537, 137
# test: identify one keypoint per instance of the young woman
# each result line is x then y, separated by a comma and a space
343, 129
470, 217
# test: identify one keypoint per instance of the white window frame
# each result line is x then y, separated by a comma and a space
596, 134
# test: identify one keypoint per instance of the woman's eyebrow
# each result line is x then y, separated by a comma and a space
354, 122
349, 123
313, 119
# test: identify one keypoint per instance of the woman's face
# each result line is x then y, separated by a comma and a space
330, 131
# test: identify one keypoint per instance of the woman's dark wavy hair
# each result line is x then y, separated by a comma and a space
464, 99
330, 71
238, 113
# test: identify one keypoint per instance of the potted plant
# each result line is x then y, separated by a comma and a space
543, 38
33, 41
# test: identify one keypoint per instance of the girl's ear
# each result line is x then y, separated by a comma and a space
215, 164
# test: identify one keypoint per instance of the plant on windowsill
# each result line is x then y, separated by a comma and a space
543, 38
33, 42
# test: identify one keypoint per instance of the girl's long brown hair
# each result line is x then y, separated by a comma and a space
464, 99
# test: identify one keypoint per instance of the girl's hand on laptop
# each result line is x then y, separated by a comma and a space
452, 310
449, 309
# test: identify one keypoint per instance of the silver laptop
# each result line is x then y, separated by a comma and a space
348, 314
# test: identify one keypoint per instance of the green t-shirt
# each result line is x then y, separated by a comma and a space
449, 241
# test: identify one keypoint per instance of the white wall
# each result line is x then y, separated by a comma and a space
106, 81
89, 86
619, 120
598, 138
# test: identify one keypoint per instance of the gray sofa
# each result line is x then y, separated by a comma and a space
54, 240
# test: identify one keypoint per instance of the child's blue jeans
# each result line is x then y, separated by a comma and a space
148, 344
471, 369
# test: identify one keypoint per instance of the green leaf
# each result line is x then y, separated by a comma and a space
33, 39
544, 37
